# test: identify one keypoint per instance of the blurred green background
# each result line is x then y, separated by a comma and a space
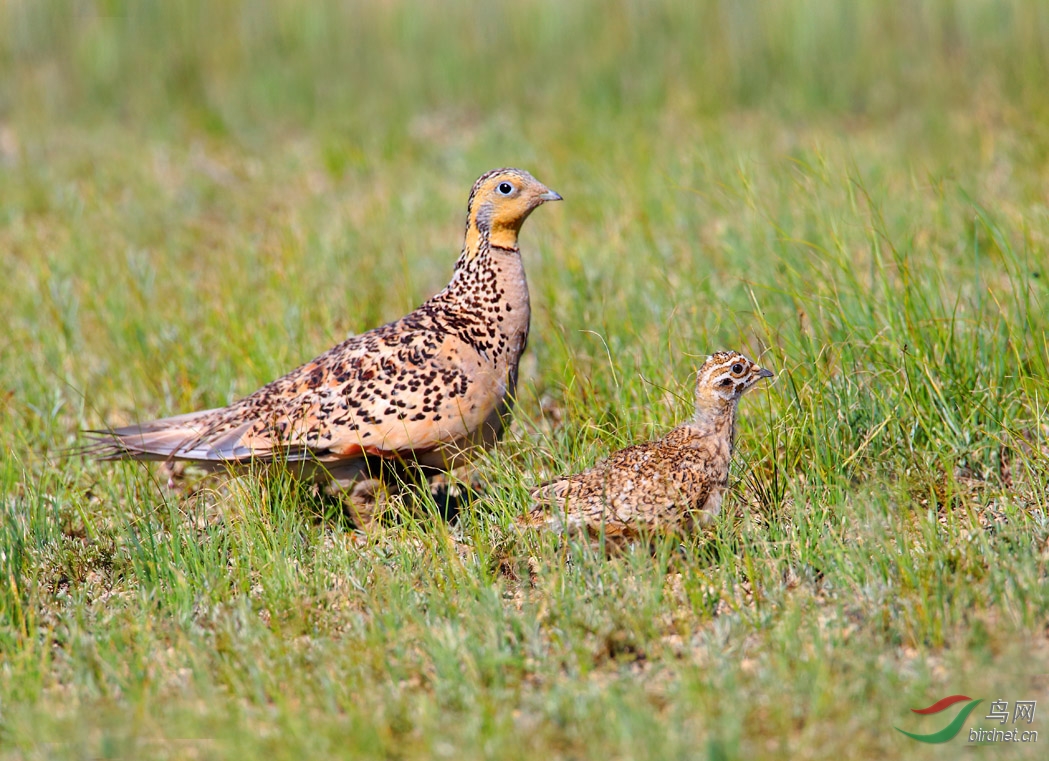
197, 197
365, 70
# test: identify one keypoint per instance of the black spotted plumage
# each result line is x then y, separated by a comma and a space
429, 387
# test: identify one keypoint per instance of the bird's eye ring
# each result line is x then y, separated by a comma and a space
737, 368
505, 188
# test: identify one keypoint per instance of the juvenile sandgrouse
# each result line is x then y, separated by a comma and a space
676, 482
429, 388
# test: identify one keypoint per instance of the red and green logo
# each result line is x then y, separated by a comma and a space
951, 729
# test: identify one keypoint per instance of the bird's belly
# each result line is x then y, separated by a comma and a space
711, 507
491, 429
474, 421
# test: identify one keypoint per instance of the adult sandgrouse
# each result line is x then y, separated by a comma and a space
675, 482
428, 388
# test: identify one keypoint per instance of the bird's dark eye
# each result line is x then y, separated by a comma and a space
506, 188
737, 368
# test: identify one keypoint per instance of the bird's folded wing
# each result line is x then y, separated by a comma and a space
383, 399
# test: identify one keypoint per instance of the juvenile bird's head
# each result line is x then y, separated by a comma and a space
500, 202
724, 378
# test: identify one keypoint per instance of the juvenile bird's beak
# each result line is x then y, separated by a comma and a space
763, 373
550, 195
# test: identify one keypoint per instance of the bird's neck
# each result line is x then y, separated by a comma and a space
718, 419
489, 284
483, 234
489, 268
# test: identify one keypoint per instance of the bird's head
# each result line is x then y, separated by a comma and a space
500, 202
725, 377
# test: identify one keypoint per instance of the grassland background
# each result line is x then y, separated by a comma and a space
196, 197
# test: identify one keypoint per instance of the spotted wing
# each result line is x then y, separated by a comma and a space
393, 391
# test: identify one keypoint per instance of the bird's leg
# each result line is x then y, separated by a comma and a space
173, 472
364, 501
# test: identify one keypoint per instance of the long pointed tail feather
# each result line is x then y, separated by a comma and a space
193, 437
181, 437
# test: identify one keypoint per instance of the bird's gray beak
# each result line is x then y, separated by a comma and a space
550, 195
763, 373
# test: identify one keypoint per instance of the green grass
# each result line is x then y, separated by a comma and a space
196, 198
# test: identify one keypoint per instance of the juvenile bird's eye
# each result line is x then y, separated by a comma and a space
737, 368
506, 188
